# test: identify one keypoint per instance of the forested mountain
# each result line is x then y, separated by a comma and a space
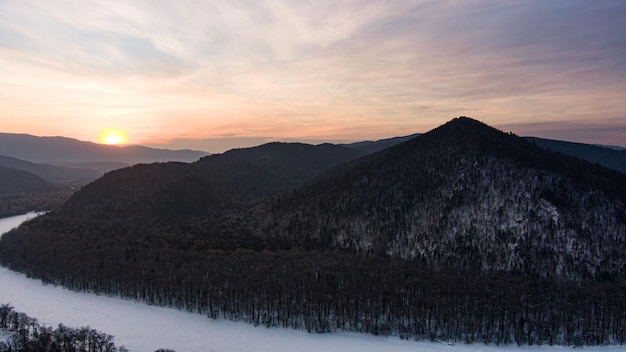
463, 233
101, 167
66, 162
26, 186
14, 182
59, 150
52, 173
468, 196
606, 156
22, 191
376, 146
169, 192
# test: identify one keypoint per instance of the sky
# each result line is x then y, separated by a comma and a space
212, 75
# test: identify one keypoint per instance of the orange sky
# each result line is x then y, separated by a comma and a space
215, 75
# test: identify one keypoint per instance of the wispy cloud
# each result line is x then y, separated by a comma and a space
342, 70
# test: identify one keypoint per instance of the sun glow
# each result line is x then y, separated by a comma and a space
111, 136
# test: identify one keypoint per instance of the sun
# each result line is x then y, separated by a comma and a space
113, 136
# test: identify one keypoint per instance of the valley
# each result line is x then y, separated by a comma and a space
463, 234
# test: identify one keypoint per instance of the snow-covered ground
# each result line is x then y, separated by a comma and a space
140, 327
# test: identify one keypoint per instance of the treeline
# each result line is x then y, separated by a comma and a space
332, 291
28, 335
16, 204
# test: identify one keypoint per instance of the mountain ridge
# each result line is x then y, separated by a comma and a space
214, 182
378, 145
464, 233
15, 182
52, 173
482, 166
607, 156
55, 150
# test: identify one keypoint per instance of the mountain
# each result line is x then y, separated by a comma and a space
27, 186
468, 196
52, 173
169, 192
464, 233
67, 162
610, 157
376, 146
22, 191
101, 167
15, 182
613, 147
56, 150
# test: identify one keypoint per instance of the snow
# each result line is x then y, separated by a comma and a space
141, 327
12, 222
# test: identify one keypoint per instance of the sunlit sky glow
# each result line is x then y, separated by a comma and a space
211, 75
112, 136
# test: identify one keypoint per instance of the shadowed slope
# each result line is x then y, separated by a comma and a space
612, 158
168, 192
13, 182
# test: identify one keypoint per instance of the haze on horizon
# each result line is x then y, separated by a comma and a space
212, 75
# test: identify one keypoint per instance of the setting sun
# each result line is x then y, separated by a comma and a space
112, 136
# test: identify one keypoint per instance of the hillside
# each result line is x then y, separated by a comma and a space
52, 173
170, 192
468, 196
464, 233
376, 146
68, 164
22, 191
14, 182
60, 150
27, 186
606, 156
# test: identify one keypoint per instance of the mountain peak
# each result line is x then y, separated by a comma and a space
466, 128
464, 120
467, 136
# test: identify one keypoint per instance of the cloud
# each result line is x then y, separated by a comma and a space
199, 69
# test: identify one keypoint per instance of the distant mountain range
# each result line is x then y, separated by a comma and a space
66, 160
40, 173
51, 173
15, 182
608, 156
462, 233
22, 191
376, 146
61, 150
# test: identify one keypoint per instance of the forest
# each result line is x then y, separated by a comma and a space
462, 234
16, 204
28, 335
329, 291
